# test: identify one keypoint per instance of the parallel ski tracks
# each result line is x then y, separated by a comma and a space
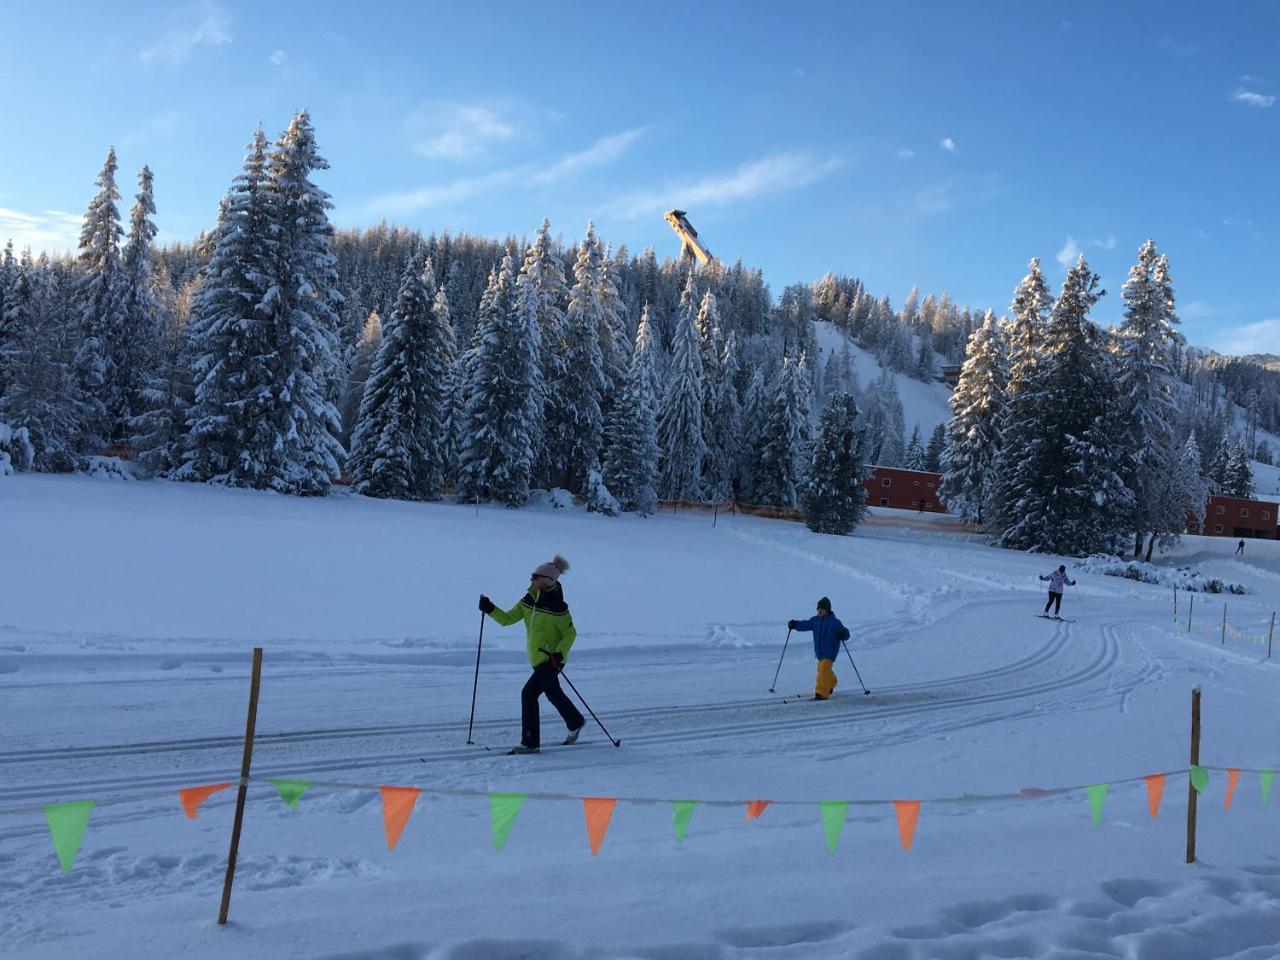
696, 730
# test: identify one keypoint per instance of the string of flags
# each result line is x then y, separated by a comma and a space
68, 822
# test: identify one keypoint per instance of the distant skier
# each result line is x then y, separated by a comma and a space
1240, 548
1056, 580
549, 634
828, 634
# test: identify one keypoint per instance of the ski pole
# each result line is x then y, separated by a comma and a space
616, 743
476, 682
784, 653
855, 668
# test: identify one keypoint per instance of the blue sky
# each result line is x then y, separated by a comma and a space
936, 144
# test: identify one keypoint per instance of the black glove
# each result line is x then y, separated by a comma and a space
791, 624
486, 605
842, 635
556, 660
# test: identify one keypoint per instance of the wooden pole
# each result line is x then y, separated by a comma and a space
715, 513
254, 684
1195, 761
1191, 612
1224, 623
1175, 601
1271, 633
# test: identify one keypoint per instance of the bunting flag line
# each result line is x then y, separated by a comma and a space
192, 797
503, 809
67, 824
1155, 790
682, 813
908, 812
1268, 780
1097, 797
291, 791
397, 806
1199, 777
754, 809
833, 821
1233, 780
597, 811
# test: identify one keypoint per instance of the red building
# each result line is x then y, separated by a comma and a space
902, 489
1238, 518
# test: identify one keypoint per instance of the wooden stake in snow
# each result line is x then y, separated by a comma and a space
1224, 623
254, 684
1271, 633
1191, 788
1190, 612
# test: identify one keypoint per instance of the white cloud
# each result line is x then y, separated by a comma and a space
1108, 244
776, 173
163, 124
605, 150
54, 231
1176, 47
1069, 253
1260, 337
459, 131
278, 58
440, 195
934, 199
948, 145
905, 153
1249, 78
204, 24
798, 72
1252, 99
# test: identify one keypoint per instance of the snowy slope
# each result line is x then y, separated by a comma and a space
130, 609
922, 403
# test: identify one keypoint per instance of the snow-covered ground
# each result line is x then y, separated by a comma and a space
129, 611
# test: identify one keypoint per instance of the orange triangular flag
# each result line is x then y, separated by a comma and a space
1155, 790
755, 808
597, 811
192, 797
397, 804
1233, 778
908, 812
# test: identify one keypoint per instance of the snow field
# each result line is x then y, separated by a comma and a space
130, 610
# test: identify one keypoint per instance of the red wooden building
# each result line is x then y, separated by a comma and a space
901, 489
1238, 518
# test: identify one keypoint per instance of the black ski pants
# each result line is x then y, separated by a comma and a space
1055, 601
545, 679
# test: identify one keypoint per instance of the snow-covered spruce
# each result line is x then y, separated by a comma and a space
631, 467
680, 434
832, 496
973, 433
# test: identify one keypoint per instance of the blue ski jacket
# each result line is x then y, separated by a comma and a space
828, 632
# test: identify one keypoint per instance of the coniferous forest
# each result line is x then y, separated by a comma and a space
275, 352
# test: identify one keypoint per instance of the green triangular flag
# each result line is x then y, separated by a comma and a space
291, 791
503, 808
1199, 778
67, 823
833, 821
680, 818
1268, 778
1097, 797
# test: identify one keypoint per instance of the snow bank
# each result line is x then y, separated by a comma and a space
16, 452
1183, 578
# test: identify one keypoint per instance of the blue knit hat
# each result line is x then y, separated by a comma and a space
824, 604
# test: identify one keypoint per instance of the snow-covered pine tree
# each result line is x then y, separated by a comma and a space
579, 428
719, 403
615, 346
496, 457
1069, 495
924, 365
787, 436
1143, 347
231, 337
754, 421
395, 449
136, 343
973, 433
359, 364
832, 495
1219, 467
1190, 491
99, 292
541, 280
42, 396
8, 334
680, 433
933, 452
159, 433
631, 468
915, 450
1239, 478
297, 441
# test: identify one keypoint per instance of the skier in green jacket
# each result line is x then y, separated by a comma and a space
549, 634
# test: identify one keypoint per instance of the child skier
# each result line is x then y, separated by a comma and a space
828, 634
549, 634
1056, 579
